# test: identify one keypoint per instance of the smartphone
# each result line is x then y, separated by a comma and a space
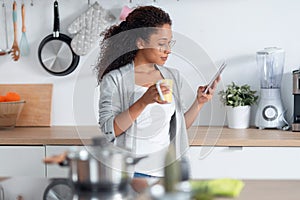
218, 73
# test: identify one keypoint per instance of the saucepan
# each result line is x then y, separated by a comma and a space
100, 166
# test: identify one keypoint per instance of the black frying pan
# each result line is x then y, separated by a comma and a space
55, 53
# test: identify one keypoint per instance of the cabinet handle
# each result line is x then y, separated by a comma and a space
235, 148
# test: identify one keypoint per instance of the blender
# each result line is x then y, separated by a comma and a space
270, 112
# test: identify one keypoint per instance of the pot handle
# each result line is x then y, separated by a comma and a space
133, 161
60, 159
64, 163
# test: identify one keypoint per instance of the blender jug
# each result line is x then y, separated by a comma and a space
270, 62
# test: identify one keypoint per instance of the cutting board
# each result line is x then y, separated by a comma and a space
38, 97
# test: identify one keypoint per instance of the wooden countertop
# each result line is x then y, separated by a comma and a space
223, 136
269, 190
55, 135
264, 190
198, 136
253, 190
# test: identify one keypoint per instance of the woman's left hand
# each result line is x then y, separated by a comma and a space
202, 97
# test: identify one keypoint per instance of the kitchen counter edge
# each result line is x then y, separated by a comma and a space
198, 136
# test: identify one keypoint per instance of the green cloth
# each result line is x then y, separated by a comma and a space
218, 187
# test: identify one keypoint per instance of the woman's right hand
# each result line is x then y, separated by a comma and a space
152, 95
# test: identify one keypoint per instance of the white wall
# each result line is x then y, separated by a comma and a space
216, 29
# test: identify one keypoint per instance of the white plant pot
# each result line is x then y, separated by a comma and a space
238, 117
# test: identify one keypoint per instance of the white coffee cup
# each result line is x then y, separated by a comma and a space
168, 83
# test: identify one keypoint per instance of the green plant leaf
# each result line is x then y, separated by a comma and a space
235, 95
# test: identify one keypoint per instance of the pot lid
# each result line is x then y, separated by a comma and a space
79, 155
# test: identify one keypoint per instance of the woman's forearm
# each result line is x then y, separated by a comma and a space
192, 113
125, 119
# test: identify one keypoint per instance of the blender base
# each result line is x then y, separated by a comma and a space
270, 113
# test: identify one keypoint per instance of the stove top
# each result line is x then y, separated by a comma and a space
27, 188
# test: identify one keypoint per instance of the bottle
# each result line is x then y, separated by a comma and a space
172, 170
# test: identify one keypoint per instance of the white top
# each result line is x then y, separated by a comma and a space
120, 97
152, 136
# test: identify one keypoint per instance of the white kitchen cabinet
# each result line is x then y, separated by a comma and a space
54, 170
245, 162
22, 161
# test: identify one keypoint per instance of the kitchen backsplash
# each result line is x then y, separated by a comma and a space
206, 32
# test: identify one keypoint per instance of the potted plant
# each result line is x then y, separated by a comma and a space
238, 101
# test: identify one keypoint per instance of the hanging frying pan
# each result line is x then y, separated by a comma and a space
55, 53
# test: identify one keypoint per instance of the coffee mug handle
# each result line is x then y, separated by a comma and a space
159, 90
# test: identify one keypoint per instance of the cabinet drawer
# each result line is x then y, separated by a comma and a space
53, 170
22, 161
245, 162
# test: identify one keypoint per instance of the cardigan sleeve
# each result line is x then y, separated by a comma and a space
109, 105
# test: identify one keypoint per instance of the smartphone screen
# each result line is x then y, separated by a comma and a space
218, 73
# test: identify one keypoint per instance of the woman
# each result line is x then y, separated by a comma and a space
131, 113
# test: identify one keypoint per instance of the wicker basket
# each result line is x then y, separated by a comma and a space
9, 113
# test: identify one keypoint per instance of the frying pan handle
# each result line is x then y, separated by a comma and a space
56, 20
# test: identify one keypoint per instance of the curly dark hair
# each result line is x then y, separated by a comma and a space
118, 46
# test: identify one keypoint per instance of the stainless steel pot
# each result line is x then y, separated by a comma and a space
100, 167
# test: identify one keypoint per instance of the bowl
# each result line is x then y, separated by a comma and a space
9, 113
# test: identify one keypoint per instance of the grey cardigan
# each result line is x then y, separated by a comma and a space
117, 95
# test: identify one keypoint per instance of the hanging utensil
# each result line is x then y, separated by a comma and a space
2, 51
15, 48
7, 50
55, 53
24, 46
